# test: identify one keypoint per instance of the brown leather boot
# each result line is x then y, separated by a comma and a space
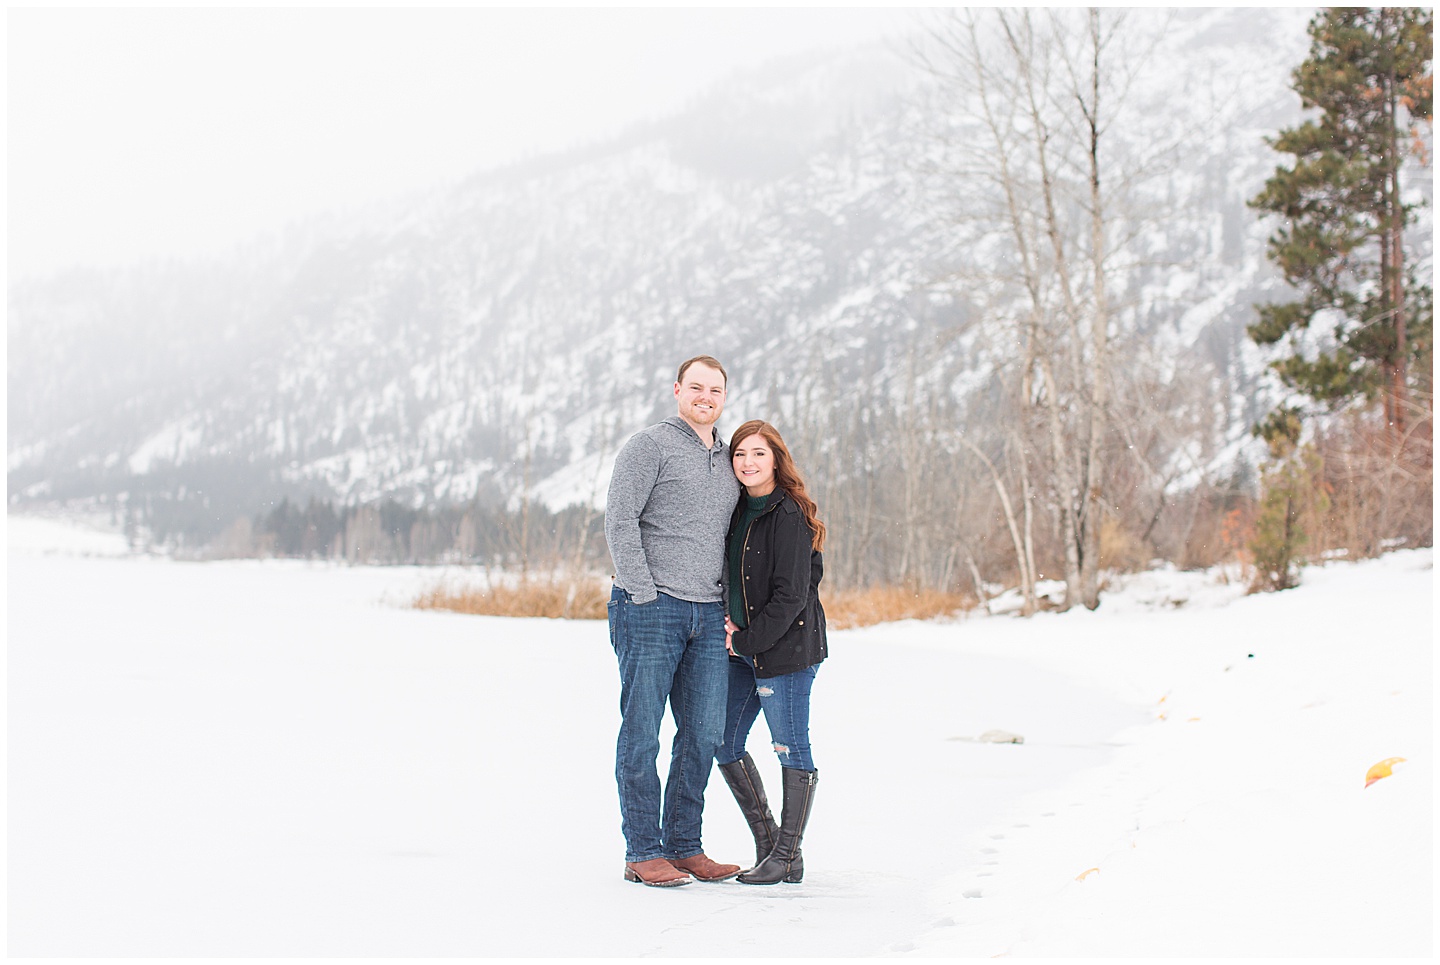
744, 780
704, 869
657, 873
785, 862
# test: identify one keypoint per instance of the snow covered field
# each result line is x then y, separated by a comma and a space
277, 758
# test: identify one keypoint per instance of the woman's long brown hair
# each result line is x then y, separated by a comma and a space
787, 474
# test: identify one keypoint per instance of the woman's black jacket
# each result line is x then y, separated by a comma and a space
779, 582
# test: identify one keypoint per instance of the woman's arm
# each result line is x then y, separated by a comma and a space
789, 586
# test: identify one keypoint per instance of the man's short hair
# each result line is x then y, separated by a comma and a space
709, 360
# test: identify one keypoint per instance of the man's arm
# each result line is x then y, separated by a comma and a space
636, 469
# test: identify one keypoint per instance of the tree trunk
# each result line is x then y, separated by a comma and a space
1100, 332
1061, 444
1027, 573
1396, 220
1065, 482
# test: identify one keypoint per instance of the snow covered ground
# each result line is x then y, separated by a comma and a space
278, 758
41, 536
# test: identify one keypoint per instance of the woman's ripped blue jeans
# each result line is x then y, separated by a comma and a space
786, 703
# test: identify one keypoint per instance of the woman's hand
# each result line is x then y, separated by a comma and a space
730, 629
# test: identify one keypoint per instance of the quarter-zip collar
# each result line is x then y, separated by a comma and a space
689, 430
718, 452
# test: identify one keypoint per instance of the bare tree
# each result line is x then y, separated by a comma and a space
1030, 100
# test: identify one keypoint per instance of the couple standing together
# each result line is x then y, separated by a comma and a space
714, 609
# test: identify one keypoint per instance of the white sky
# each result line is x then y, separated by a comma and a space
134, 133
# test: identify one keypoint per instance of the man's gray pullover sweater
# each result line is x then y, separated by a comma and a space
667, 512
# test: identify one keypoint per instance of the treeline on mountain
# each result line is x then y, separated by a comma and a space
905, 521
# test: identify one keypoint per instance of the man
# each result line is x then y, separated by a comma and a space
668, 508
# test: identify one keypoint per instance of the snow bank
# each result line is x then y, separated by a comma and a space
1237, 821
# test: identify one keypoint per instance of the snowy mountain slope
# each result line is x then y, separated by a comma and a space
490, 337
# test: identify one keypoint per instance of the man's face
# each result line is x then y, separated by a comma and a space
701, 394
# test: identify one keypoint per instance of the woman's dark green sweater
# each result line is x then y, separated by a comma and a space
755, 507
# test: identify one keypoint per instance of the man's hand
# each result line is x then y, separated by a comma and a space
730, 629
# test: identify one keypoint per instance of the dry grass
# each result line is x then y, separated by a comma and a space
584, 599
882, 604
557, 597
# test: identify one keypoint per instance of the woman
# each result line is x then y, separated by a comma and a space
775, 632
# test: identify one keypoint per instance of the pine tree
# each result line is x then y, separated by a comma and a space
1341, 242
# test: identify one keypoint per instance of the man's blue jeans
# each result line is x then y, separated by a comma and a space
786, 702
667, 649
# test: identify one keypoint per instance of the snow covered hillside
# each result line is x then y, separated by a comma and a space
783, 223
279, 758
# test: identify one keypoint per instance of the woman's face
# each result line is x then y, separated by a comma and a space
754, 464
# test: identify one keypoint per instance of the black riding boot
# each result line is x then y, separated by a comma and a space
784, 864
744, 780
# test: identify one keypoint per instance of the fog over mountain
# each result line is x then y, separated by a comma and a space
506, 336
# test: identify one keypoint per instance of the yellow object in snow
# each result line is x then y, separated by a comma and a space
1085, 874
1381, 770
